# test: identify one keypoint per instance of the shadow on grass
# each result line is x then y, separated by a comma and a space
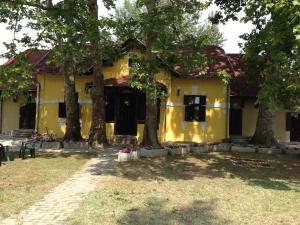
106, 166
51, 155
77, 155
157, 212
284, 172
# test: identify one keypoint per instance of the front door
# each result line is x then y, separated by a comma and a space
27, 116
295, 129
126, 123
236, 121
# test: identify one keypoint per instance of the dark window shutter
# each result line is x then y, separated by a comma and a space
62, 110
186, 99
202, 116
195, 108
189, 113
288, 121
130, 62
203, 100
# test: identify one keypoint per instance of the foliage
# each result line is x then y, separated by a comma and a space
271, 49
64, 27
140, 78
15, 79
177, 37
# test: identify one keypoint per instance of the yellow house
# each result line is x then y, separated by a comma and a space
197, 108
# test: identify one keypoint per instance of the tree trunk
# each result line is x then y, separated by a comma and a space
72, 106
71, 97
97, 136
150, 128
265, 127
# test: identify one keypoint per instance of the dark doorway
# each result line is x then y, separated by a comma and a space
295, 128
27, 116
235, 122
126, 123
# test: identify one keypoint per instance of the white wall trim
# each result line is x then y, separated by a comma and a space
56, 101
208, 105
50, 101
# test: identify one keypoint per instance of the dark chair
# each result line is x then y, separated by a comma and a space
2, 153
28, 145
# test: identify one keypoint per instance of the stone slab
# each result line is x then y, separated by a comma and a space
75, 145
123, 157
243, 149
51, 145
200, 149
151, 153
292, 151
269, 150
221, 147
181, 150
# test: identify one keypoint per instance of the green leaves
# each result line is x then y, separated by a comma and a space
271, 49
17, 77
171, 33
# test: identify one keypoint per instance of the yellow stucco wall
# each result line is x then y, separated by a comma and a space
214, 128
52, 92
11, 113
172, 126
250, 117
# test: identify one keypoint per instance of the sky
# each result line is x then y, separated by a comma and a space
231, 31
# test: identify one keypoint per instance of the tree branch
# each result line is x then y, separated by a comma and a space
35, 4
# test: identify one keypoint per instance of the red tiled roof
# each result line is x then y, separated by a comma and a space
34, 57
119, 81
240, 86
237, 63
217, 61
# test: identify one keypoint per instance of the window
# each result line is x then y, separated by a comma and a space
195, 108
62, 110
288, 121
130, 59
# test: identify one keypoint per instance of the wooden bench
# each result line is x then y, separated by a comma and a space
2, 153
30, 145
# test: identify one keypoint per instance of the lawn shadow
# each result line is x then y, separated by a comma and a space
52, 155
170, 168
158, 211
107, 163
284, 169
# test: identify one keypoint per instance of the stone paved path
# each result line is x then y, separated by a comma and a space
60, 203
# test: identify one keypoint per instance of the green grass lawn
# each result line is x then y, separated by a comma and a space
23, 182
206, 189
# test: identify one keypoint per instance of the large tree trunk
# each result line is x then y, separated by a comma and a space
72, 106
71, 97
150, 128
265, 127
97, 136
